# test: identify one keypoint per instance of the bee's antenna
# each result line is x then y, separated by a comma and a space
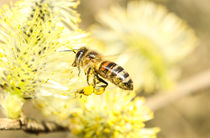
74, 50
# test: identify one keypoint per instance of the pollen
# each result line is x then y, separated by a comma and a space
88, 90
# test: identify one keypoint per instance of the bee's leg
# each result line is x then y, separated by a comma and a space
78, 66
79, 70
75, 64
88, 75
105, 84
94, 80
99, 85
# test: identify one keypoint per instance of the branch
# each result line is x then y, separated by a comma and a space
30, 125
187, 87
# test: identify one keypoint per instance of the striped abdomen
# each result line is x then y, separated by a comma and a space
116, 74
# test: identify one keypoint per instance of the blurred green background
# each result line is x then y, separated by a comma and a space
188, 117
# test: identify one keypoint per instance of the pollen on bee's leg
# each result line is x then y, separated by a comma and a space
88, 90
99, 90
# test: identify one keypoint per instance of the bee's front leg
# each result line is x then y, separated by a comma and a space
77, 63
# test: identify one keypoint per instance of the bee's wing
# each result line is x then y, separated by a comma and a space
112, 57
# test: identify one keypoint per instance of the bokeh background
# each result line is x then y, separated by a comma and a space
187, 117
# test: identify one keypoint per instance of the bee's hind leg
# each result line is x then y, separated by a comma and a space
105, 84
99, 85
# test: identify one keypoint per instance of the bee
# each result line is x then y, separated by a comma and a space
93, 64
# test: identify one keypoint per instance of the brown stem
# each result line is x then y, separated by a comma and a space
187, 87
30, 125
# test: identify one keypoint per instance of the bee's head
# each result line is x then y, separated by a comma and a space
79, 54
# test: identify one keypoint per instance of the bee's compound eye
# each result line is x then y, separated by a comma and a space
79, 53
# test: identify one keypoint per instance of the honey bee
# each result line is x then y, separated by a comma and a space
93, 64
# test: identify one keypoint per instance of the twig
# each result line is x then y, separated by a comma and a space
30, 125
192, 85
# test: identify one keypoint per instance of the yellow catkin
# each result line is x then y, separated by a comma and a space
31, 34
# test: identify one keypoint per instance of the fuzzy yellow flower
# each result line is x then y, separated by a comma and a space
113, 114
150, 39
31, 34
